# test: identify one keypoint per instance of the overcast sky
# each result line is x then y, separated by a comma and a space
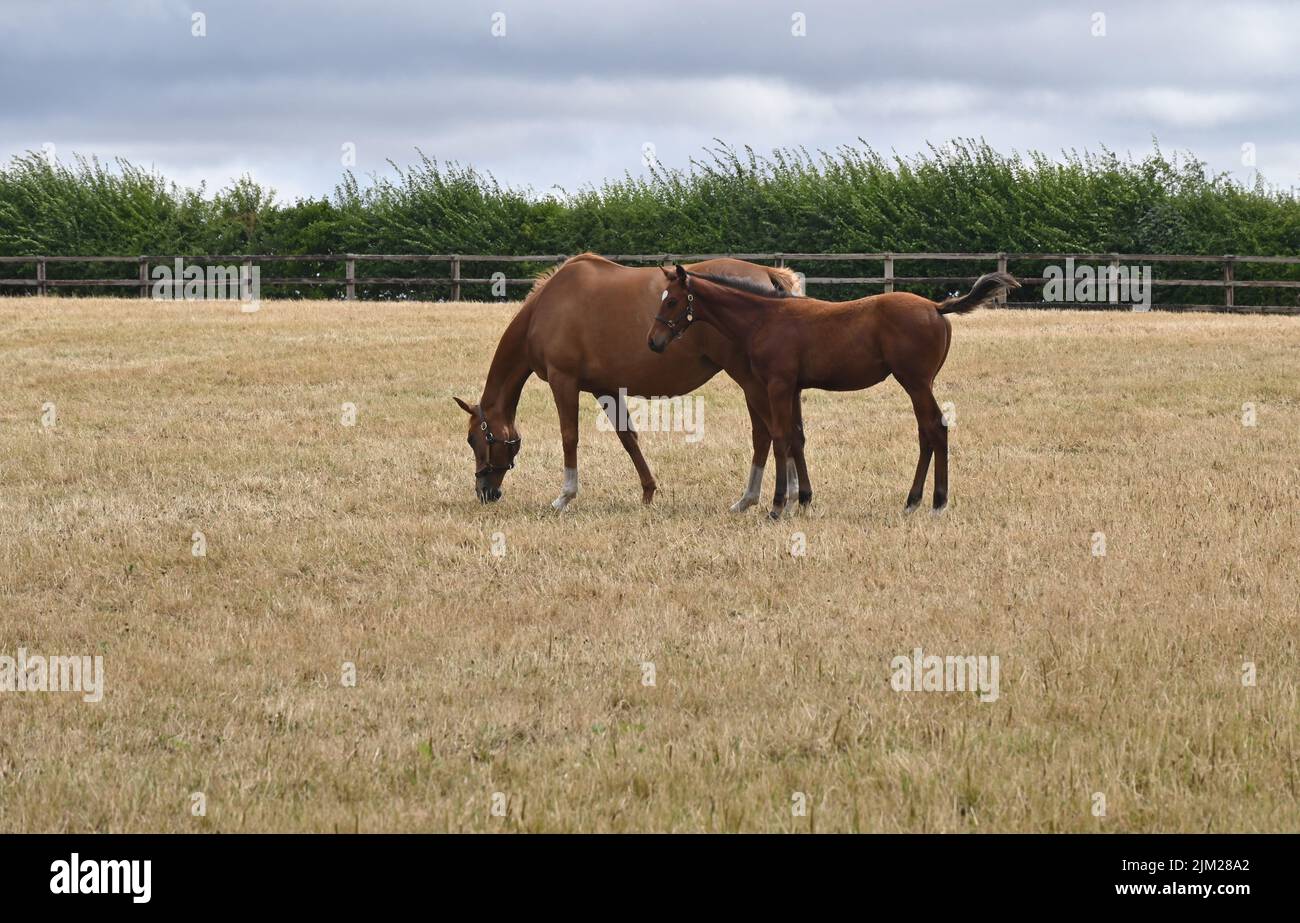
574, 90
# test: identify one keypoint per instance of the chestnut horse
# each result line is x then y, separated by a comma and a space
794, 343
579, 330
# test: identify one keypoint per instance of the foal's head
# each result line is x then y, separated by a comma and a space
676, 309
495, 444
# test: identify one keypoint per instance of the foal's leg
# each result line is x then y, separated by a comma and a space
756, 401
781, 398
940, 439
762, 442
627, 436
933, 436
564, 389
922, 468
801, 482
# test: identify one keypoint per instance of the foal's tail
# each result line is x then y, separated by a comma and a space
986, 288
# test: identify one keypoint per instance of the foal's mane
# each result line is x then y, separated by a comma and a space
751, 286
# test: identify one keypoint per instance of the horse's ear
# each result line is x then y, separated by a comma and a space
668, 273
463, 406
681, 273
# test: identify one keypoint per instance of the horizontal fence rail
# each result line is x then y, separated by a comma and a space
457, 263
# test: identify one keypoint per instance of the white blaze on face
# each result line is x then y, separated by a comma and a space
664, 296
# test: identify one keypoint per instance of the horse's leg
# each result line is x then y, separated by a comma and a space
801, 482
762, 442
564, 388
627, 436
781, 396
933, 437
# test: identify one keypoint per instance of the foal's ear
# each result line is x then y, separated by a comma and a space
463, 406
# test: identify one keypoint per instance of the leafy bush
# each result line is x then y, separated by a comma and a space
963, 196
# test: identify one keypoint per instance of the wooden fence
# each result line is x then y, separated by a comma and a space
1226, 270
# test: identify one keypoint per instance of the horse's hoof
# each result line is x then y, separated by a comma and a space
561, 502
776, 513
911, 506
743, 504
938, 510
805, 500
647, 495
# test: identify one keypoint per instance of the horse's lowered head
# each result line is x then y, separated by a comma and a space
495, 443
676, 309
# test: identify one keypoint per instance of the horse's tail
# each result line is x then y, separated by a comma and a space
785, 279
986, 288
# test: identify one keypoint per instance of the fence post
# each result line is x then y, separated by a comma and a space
889, 272
352, 277
780, 261
41, 288
1002, 268
455, 278
144, 277
1228, 276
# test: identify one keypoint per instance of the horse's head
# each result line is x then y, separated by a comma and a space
495, 444
676, 309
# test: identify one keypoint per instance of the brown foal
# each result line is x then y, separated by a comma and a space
793, 343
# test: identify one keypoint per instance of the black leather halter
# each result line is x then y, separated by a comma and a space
685, 321
512, 444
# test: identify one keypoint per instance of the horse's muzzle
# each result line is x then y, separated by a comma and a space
656, 345
488, 494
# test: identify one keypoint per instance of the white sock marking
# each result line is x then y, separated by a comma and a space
568, 491
752, 490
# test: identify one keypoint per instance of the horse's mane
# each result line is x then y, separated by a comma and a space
752, 286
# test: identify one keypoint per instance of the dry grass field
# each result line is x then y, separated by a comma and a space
522, 674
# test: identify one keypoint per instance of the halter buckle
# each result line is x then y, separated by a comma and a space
492, 440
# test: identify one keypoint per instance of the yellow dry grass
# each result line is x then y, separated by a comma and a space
522, 674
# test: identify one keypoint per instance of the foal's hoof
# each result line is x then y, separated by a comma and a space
743, 504
561, 502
